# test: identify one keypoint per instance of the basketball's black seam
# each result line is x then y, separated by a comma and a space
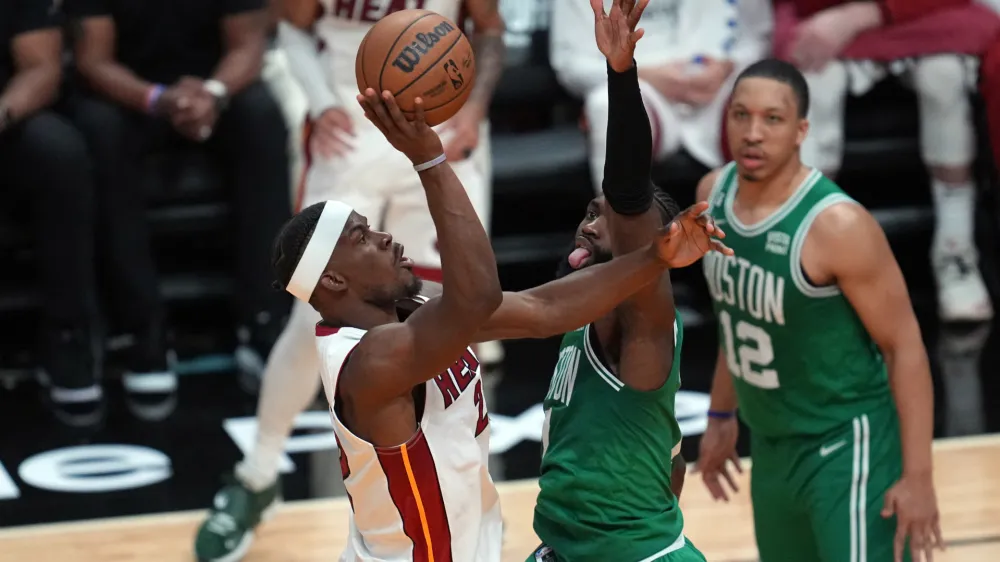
432, 65
364, 68
393, 46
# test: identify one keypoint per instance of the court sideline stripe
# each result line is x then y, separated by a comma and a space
320, 504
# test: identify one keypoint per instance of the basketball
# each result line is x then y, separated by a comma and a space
418, 54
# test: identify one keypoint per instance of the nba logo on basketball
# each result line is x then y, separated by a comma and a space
453, 74
409, 57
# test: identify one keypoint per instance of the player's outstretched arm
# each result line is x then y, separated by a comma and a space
852, 249
394, 358
647, 317
584, 296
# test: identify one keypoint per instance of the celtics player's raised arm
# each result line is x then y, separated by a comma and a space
847, 246
588, 294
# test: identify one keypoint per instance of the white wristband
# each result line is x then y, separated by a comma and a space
430, 164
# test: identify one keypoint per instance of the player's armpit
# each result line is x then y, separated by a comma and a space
846, 246
393, 358
647, 351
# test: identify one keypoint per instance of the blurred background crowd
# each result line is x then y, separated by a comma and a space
135, 236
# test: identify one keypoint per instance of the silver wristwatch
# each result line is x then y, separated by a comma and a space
219, 91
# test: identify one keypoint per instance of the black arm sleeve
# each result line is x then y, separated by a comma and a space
627, 184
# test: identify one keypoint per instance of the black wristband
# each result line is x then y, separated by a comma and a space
627, 186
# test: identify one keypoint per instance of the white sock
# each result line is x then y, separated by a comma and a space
954, 206
291, 380
259, 469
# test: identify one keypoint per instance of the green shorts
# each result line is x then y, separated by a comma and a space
820, 498
686, 553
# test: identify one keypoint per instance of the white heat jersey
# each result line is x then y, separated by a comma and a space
431, 498
343, 25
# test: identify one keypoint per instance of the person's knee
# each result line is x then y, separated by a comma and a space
49, 139
98, 118
940, 80
256, 111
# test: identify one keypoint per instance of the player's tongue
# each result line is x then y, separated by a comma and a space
577, 257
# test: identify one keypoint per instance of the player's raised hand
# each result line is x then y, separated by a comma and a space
688, 237
913, 501
413, 138
616, 32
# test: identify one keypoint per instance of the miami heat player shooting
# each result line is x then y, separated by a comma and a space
350, 160
404, 389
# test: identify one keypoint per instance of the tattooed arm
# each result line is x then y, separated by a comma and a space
487, 42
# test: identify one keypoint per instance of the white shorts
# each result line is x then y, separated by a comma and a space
379, 182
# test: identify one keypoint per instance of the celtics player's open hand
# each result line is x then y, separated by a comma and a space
414, 138
913, 502
616, 31
688, 237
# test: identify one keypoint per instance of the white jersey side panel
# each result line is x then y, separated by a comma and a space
432, 497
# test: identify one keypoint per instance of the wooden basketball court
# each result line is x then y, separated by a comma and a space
966, 475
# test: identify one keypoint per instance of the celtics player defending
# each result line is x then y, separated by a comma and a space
819, 347
610, 431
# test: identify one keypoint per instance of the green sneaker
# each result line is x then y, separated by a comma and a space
228, 532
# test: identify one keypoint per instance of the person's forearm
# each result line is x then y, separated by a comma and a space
240, 67
469, 269
627, 185
490, 50
867, 15
118, 83
723, 393
581, 298
910, 379
30, 91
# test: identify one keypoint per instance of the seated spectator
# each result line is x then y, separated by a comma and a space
182, 73
691, 52
933, 46
44, 173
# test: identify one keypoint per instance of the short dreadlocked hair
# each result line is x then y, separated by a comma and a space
290, 243
665, 203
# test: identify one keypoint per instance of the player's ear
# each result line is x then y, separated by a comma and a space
803, 131
333, 281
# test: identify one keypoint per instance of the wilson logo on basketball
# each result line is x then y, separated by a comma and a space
409, 57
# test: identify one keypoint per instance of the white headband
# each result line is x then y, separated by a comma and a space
319, 249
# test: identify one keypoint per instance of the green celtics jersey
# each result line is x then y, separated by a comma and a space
801, 360
605, 478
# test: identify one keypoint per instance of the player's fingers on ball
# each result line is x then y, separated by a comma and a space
395, 113
419, 114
